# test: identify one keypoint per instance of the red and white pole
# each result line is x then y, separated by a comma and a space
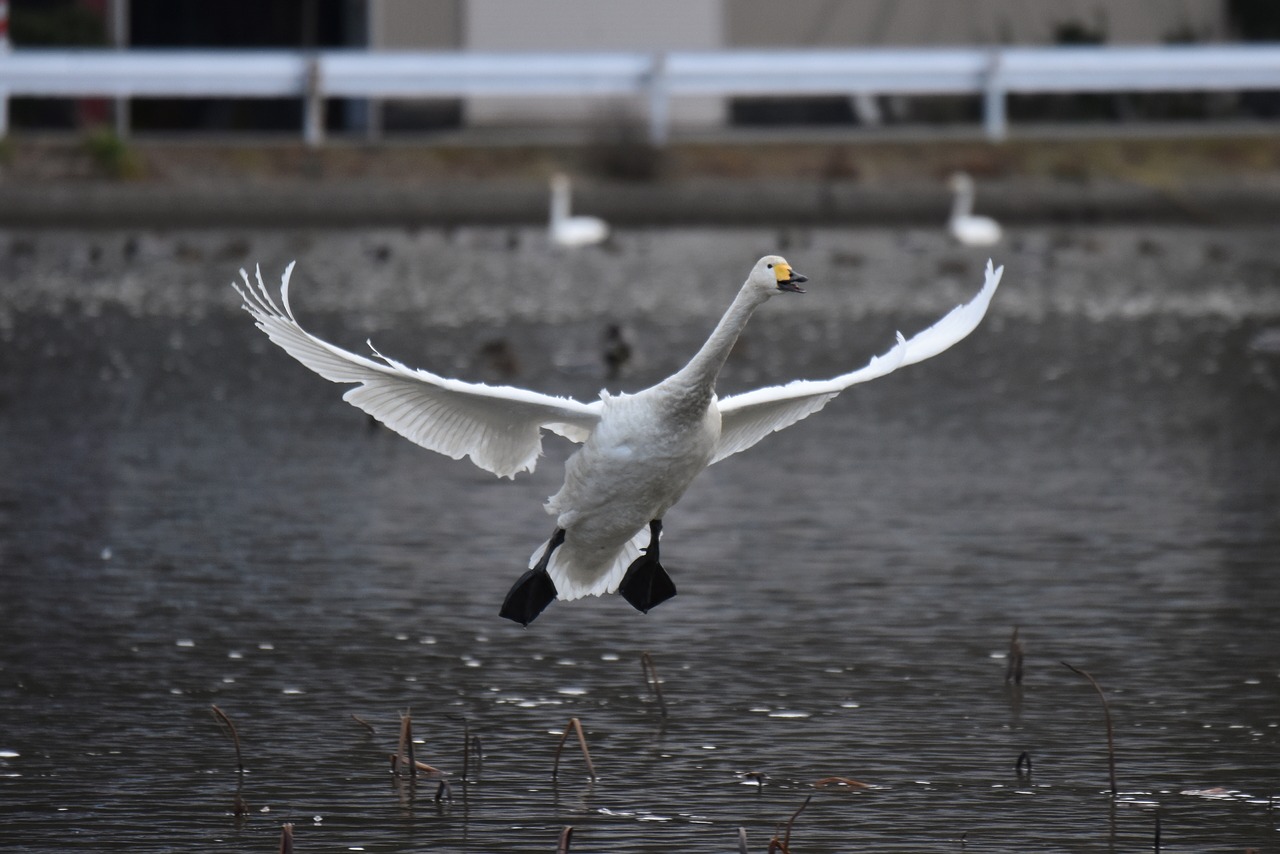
4, 24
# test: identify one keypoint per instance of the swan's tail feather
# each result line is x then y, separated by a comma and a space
577, 574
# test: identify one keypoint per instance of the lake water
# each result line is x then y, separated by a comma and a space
189, 518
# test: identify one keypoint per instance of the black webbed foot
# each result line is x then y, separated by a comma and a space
529, 597
646, 584
533, 591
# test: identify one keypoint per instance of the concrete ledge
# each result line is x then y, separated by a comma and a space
102, 204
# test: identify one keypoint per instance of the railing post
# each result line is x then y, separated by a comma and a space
313, 104
659, 102
4, 48
994, 117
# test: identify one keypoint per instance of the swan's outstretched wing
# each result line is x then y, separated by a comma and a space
748, 418
498, 427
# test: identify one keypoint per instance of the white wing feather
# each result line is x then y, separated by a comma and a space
498, 427
747, 418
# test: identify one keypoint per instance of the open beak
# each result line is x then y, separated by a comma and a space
792, 283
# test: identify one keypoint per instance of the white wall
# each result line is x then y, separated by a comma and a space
554, 25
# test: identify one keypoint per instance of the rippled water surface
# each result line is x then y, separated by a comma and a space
188, 518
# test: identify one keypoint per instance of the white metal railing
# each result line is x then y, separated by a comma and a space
991, 73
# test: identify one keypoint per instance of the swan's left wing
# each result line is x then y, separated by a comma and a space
747, 418
498, 427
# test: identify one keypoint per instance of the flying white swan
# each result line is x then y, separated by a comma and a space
965, 226
569, 230
639, 451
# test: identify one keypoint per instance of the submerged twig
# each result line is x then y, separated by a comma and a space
1106, 712
566, 837
575, 725
1013, 668
1024, 756
225, 721
364, 724
652, 681
839, 781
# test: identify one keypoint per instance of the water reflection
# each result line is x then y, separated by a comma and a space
220, 529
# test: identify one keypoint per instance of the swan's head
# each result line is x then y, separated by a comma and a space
772, 273
961, 183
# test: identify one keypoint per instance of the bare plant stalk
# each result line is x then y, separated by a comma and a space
566, 837
1013, 669
1106, 712
651, 679
364, 724
404, 750
222, 718
784, 844
742, 841
575, 725
286, 838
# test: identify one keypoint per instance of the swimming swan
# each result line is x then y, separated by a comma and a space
965, 226
569, 230
639, 451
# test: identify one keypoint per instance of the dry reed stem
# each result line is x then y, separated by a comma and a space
839, 781
1106, 712
566, 838
364, 724
575, 725
404, 749
222, 718
742, 841
784, 844
1013, 669
286, 838
652, 681
466, 748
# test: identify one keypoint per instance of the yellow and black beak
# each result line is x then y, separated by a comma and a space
788, 279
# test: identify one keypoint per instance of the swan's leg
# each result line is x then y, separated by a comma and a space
646, 583
535, 590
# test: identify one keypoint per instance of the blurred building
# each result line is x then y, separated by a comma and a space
604, 25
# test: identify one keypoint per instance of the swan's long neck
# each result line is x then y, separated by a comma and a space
699, 376
559, 202
962, 204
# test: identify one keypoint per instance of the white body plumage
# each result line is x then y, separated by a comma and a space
639, 453
965, 226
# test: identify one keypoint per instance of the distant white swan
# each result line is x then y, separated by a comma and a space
965, 226
639, 451
568, 230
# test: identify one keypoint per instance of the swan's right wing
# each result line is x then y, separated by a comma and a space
747, 418
498, 427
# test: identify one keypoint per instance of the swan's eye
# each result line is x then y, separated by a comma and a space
770, 266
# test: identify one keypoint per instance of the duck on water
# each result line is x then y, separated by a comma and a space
639, 453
